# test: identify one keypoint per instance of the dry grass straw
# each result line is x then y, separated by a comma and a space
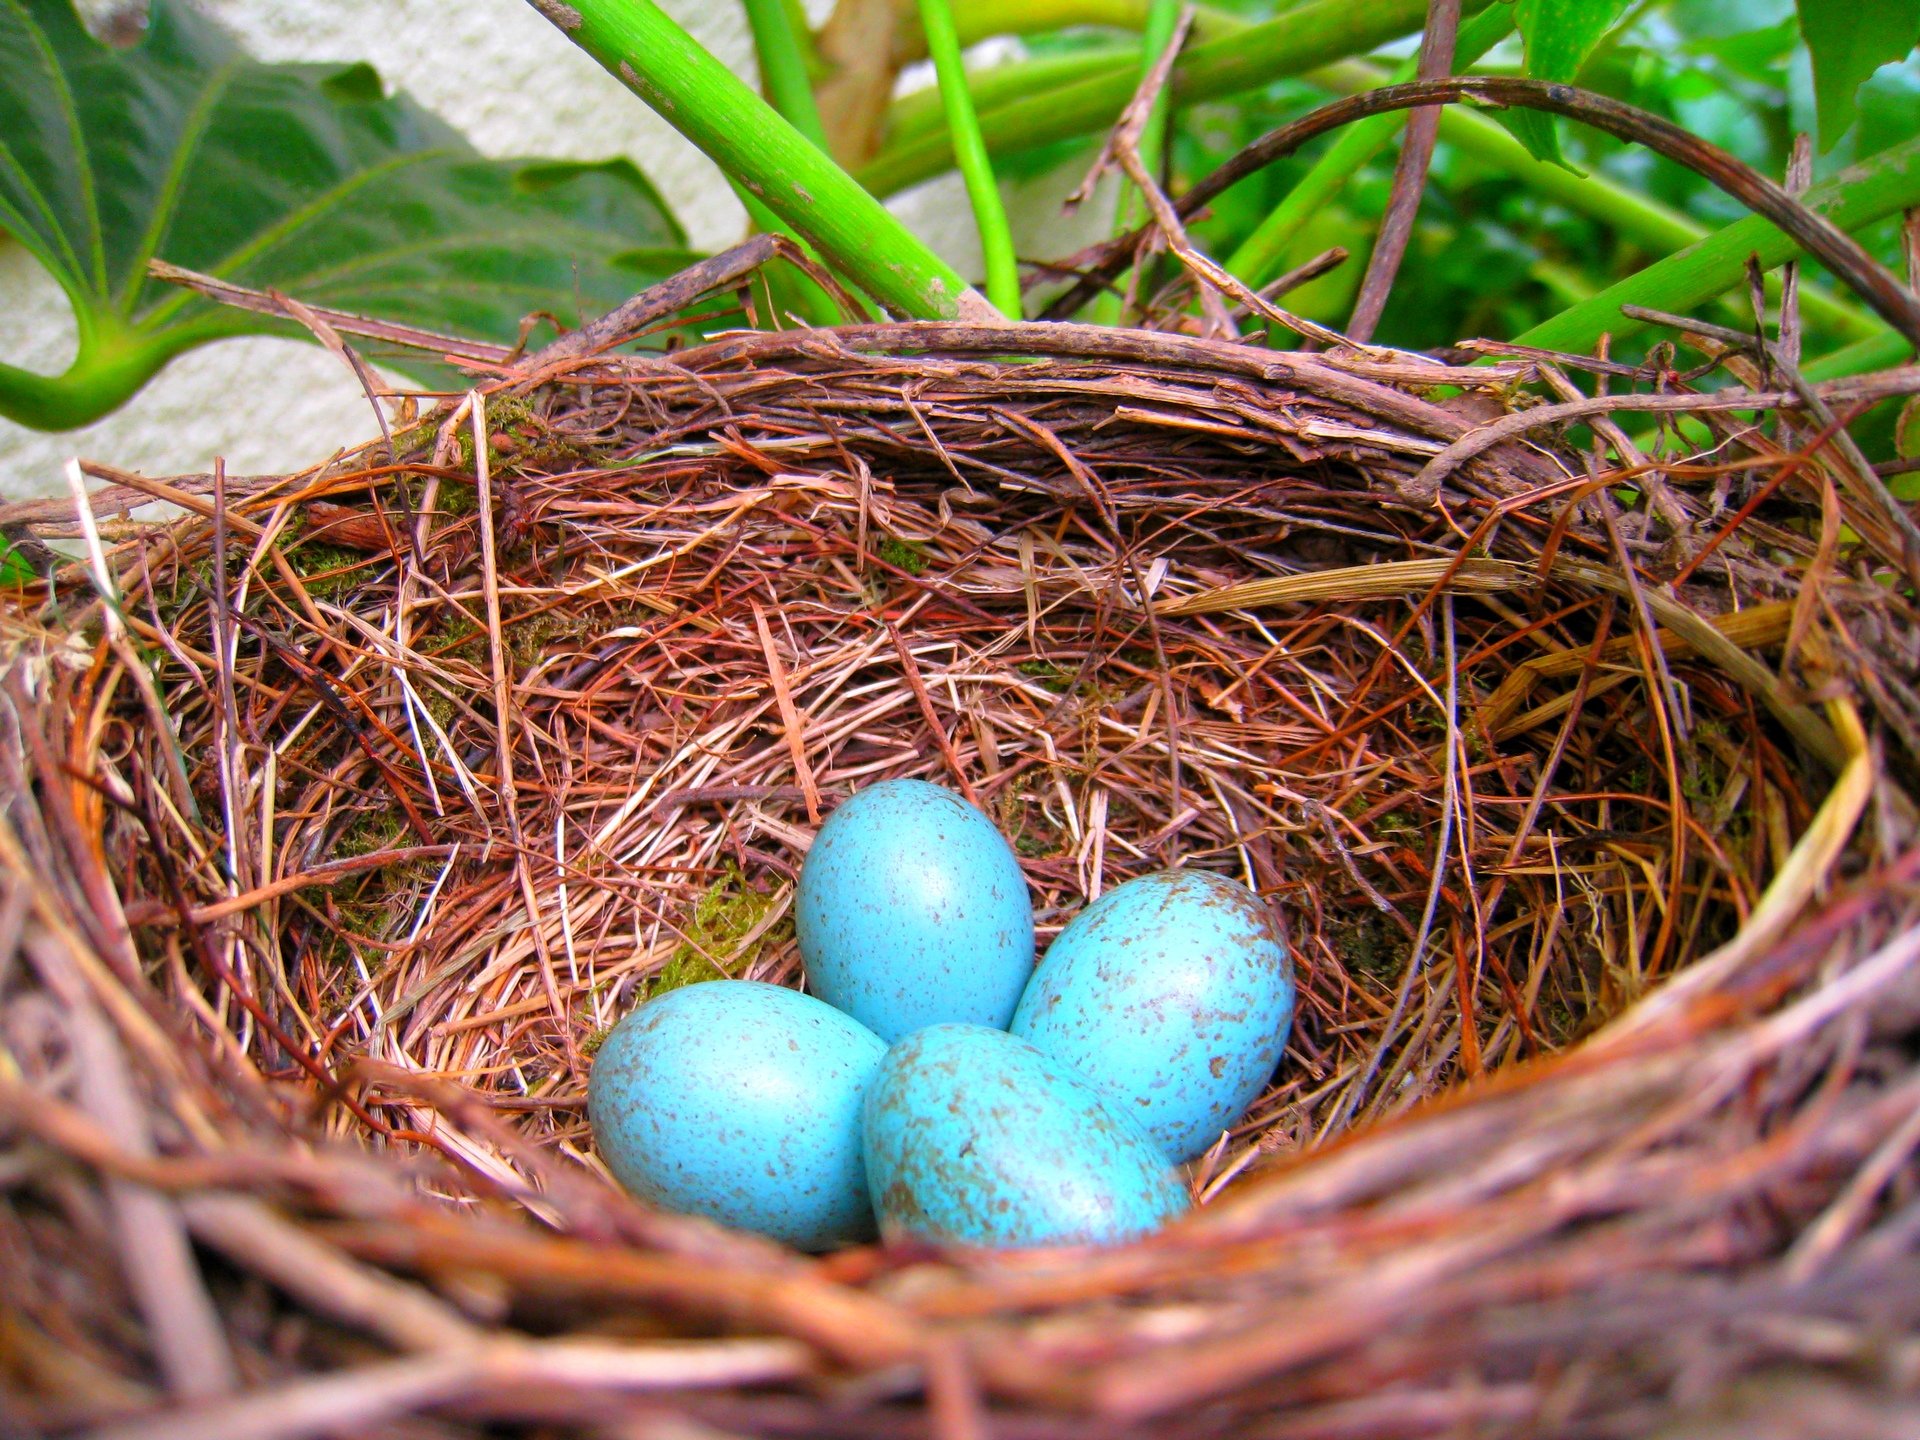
455, 757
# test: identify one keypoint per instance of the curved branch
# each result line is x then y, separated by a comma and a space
1814, 233
1484, 437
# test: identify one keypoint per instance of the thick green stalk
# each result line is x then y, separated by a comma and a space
783, 67
918, 116
1259, 257
788, 83
1882, 352
791, 290
749, 140
1876, 187
102, 378
981, 19
1311, 35
963, 127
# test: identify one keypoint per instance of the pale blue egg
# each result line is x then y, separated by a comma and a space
912, 911
976, 1138
1174, 993
740, 1102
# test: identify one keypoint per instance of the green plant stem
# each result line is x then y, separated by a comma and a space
82, 394
1155, 35
963, 126
1260, 256
789, 288
107, 371
1303, 38
783, 68
919, 116
785, 78
1865, 192
748, 139
982, 19
1881, 352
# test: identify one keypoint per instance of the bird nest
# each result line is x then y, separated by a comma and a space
1577, 758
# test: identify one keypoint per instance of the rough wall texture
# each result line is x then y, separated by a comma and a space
502, 74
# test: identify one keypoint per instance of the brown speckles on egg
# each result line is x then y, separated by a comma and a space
974, 1137
1171, 989
741, 1102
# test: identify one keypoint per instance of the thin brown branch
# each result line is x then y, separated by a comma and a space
267, 302
1409, 175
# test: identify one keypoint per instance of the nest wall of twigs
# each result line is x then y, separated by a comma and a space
337, 841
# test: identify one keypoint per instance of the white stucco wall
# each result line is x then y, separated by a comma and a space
513, 84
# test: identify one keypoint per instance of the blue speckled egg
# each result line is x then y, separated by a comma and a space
1173, 993
912, 911
740, 1102
977, 1138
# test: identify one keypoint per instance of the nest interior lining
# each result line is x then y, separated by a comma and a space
936, 567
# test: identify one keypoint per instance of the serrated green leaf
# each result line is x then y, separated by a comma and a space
308, 179
1558, 36
1848, 40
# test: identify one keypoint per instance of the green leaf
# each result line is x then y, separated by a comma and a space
1849, 40
1876, 187
1906, 430
14, 569
308, 179
1558, 35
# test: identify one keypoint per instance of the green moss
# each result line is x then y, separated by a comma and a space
528, 640
1052, 676
717, 930
508, 413
458, 638
1024, 822
1557, 1021
463, 446
902, 555
415, 439
1370, 944
440, 706
531, 443
590, 1045
369, 831
326, 570
1702, 778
